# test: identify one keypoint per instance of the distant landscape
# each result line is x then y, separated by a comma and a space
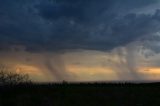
79, 52
81, 94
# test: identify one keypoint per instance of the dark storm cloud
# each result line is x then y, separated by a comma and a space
74, 24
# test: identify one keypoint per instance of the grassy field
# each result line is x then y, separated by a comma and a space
84, 94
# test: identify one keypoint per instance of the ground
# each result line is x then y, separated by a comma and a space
93, 94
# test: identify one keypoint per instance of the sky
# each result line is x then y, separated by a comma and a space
81, 40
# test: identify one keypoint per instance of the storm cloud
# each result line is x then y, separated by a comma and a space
54, 25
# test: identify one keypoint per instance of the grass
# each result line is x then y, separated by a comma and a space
83, 94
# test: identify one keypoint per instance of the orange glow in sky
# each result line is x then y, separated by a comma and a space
35, 73
150, 70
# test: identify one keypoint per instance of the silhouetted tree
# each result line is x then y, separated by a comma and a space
10, 78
